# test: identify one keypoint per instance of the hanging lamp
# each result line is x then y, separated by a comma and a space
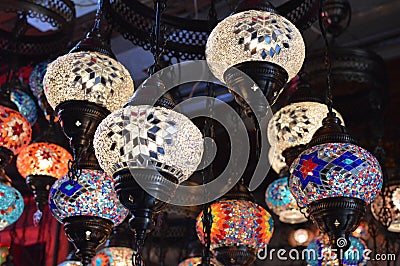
42, 163
89, 209
280, 200
386, 207
259, 42
293, 126
36, 86
334, 178
25, 104
85, 85
239, 228
118, 248
11, 202
148, 150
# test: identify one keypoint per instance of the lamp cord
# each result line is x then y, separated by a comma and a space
328, 62
155, 38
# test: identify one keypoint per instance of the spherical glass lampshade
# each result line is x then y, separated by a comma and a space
43, 158
88, 76
91, 195
197, 261
11, 205
320, 253
392, 202
238, 223
255, 36
295, 124
25, 104
36, 78
113, 256
155, 137
335, 170
280, 200
15, 130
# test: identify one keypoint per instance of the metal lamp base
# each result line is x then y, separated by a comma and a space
87, 233
337, 217
79, 120
236, 255
40, 186
269, 77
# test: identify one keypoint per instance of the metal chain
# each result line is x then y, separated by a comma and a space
328, 63
158, 35
137, 259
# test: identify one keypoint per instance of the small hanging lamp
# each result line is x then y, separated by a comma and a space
280, 200
239, 228
42, 163
118, 248
11, 202
25, 104
88, 208
259, 42
85, 85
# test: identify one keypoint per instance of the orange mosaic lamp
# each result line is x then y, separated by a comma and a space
15, 134
239, 228
42, 163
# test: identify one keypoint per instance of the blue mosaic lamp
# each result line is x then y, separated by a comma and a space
25, 104
36, 85
280, 200
320, 253
11, 202
334, 179
89, 209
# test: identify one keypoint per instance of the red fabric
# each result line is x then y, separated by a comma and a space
44, 234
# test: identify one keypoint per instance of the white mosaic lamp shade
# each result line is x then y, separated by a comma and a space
255, 36
88, 76
392, 204
145, 136
295, 124
276, 160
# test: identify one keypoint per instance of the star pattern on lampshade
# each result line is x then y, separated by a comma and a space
264, 34
308, 169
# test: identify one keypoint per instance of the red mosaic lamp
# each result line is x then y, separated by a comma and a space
239, 228
42, 163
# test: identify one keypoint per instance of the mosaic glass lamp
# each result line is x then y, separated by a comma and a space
118, 248
36, 86
386, 207
85, 85
280, 200
11, 202
15, 134
334, 179
320, 253
25, 104
113, 256
239, 228
259, 42
4, 250
151, 146
42, 163
197, 261
294, 125
88, 208
71, 260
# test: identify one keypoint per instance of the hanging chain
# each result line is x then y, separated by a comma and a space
137, 259
328, 61
208, 175
158, 37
